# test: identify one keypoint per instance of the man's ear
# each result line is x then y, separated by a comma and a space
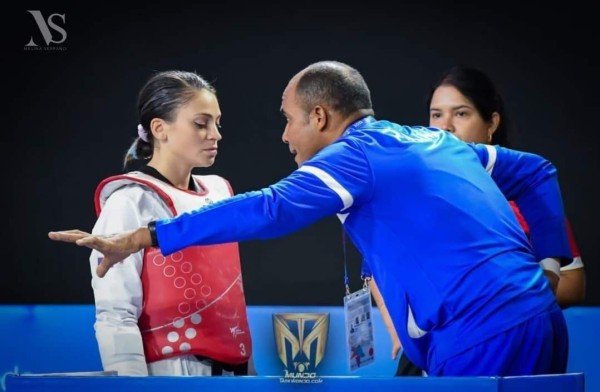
320, 118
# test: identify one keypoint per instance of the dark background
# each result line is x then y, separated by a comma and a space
69, 116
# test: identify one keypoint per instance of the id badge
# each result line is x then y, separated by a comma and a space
359, 329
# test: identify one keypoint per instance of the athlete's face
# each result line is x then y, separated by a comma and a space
191, 139
301, 132
452, 111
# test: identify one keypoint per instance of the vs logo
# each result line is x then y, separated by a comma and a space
45, 25
301, 339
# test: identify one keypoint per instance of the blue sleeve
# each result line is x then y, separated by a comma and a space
532, 183
331, 182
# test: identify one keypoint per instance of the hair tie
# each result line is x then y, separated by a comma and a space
142, 133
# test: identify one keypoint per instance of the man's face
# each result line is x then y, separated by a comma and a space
301, 132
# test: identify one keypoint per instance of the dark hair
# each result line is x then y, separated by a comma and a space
162, 95
479, 89
335, 84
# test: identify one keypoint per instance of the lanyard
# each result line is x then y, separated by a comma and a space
356, 125
352, 127
346, 278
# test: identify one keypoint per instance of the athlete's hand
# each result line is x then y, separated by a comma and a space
114, 247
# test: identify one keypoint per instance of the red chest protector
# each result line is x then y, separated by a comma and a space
193, 299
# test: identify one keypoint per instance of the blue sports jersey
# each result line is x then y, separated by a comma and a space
434, 227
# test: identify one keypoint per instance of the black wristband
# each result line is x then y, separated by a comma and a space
152, 230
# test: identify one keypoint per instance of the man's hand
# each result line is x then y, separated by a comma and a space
114, 247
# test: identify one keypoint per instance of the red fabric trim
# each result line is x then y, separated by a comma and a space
572, 243
149, 184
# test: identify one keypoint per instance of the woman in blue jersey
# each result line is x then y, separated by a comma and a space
466, 299
466, 103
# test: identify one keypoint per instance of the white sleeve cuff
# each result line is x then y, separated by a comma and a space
551, 264
575, 264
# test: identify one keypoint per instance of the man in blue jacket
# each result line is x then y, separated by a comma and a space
429, 214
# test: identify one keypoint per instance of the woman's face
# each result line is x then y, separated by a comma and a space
452, 111
192, 138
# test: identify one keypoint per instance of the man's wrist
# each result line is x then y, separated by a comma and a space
153, 237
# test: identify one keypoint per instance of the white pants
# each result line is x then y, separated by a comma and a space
187, 365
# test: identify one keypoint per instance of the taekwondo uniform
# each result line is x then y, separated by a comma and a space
181, 314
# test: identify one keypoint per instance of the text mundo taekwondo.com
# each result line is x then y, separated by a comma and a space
299, 376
